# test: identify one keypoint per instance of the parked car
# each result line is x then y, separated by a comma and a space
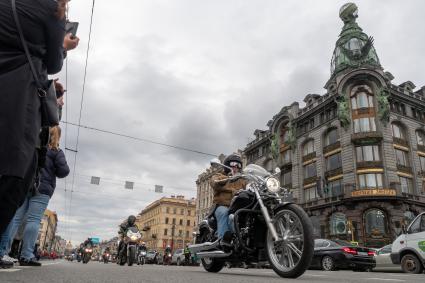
409, 248
153, 257
178, 257
337, 254
383, 258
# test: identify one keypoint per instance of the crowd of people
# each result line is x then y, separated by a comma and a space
30, 157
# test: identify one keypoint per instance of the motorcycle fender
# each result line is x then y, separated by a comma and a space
281, 205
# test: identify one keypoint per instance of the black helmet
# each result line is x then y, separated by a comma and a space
131, 220
228, 161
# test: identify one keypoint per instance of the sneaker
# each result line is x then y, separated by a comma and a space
5, 263
8, 258
31, 262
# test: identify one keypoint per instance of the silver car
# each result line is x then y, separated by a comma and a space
178, 257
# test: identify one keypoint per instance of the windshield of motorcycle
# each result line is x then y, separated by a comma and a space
133, 229
256, 170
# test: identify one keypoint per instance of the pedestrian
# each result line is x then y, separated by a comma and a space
43, 25
36, 202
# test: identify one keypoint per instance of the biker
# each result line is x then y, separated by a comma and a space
142, 247
131, 222
224, 190
187, 254
88, 242
166, 252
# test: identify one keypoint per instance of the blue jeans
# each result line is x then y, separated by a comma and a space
32, 210
223, 223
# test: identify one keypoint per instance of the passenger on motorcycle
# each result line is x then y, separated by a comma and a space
224, 190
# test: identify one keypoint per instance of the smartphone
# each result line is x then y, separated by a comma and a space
71, 27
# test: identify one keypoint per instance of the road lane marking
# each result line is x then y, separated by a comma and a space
386, 279
9, 270
51, 263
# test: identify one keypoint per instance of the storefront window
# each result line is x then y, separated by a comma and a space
310, 193
363, 125
368, 153
310, 170
338, 224
333, 161
308, 147
370, 181
406, 185
332, 137
375, 223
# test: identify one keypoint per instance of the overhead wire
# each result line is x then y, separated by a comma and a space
140, 139
80, 112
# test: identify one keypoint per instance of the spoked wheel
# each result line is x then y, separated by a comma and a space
291, 254
328, 263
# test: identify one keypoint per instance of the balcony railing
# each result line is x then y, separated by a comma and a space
404, 169
334, 172
309, 156
369, 164
310, 180
366, 138
401, 142
331, 147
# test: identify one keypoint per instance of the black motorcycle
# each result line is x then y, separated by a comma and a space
268, 229
127, 254
87, 253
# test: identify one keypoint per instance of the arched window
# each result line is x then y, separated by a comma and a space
308, 147
332, 136
398, 131
420, 138
361, 97
338, 224
375, 222
284, 133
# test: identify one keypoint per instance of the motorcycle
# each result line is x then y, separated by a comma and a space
128, 251
141, 257
105, 257
268, 228
167, 258
79, 256
88, 251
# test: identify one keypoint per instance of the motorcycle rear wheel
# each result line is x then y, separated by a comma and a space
292, 254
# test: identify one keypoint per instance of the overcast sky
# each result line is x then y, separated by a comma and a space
201, 75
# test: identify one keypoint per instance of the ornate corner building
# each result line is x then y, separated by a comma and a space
353, 157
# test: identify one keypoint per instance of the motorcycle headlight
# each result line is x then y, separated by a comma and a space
133, 237
273, 185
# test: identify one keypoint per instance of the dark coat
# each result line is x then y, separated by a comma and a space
20, 116
55, 166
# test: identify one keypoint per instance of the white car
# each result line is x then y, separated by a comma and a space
383, 258
409, 248
178, 257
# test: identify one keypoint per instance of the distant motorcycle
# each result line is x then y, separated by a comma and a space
105, 257
88, 251
128, 251
141, 259
79, 256
167, 258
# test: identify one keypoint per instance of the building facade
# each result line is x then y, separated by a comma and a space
354, 157
47, 231
168, 221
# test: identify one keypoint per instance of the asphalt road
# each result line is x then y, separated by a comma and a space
64, 271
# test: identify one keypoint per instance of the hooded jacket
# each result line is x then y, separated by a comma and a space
223, 194
55, 166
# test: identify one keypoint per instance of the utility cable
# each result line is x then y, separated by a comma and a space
140, 139
81, 110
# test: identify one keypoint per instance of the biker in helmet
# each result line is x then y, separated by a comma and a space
224, 190
131, 222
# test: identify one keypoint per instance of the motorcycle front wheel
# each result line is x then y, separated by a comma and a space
131, 256
291, 254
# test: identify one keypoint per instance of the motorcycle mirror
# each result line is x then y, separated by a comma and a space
215, 161
277, 170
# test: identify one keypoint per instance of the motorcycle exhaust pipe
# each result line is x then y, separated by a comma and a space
213, 254
204, 246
